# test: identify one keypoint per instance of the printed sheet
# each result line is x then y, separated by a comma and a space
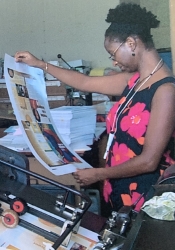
27, 91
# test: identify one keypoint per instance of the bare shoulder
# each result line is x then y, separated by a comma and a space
165, 94
166, 89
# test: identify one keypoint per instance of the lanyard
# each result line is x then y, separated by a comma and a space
115, 121
122, 101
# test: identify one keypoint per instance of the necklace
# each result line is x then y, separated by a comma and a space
119, 110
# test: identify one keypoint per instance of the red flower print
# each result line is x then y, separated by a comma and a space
112, 113
136, 121
133, 80
134, 196
111, 116
168, 158
107, 189
121, 153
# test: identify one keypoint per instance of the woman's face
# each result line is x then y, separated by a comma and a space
120, 54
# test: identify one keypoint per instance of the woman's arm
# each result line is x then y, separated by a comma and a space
109, 85
159, 131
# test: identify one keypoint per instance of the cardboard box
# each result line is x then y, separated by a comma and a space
55, 90
55, 103
35, 166
6, 106
3, 91
2, 133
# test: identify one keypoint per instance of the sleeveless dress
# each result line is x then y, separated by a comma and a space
132, 122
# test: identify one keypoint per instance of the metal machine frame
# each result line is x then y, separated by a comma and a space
15, 189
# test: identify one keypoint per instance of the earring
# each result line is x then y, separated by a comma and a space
133, 54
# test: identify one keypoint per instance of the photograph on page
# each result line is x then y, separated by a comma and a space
27, 92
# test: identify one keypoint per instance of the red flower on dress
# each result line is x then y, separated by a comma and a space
121, 153
136, 121
113, 111
168, 158
133, 197
111, 116
132, 81
107, 190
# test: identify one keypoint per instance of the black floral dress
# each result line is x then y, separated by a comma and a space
133, 113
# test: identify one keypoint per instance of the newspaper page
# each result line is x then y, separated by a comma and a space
27, 91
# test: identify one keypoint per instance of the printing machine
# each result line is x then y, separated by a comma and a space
148, 233
15, 190
127, 230
123, 230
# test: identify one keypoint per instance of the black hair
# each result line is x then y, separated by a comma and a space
131, 20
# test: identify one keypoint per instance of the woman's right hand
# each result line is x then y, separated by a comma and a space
29, 59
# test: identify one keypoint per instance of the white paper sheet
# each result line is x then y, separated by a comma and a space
27, 91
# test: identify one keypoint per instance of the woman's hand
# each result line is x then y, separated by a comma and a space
29, 59
87, 176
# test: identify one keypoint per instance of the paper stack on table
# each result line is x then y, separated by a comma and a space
76, 124
14, 139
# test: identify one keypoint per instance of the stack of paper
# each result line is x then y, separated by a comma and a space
76, 124
14, 139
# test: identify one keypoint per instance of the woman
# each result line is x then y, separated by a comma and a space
141, 123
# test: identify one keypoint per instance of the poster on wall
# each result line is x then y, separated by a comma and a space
27, 92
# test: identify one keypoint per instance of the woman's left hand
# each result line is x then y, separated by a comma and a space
87, 176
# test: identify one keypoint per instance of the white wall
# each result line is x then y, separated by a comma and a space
73, 28
160, 8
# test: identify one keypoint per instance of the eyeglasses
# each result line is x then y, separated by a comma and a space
112, 57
